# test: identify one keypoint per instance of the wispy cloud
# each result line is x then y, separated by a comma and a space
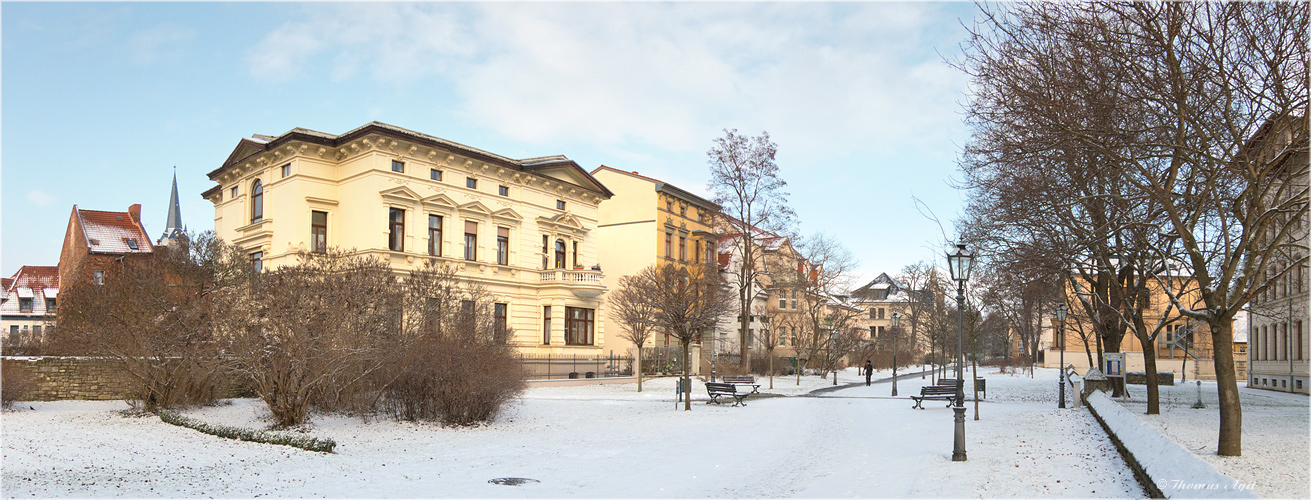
161, 43
41, 198
671, 75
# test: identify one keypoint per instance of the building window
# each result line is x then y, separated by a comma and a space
318, 231
25, 305
435, 235
881, 311
546, 325
396, 236
794, 300
36, 332
470, 240
256, 201
682, 210
578, 325
710, 254
873, 313
286, 170
499, 323
783, 301
503, 190
1299, 340
696, 252
234, 192
546, 252
471, 183
398, 166
559, 254
682, 249
435, 174
257, 262
51, 305
98, 277
669, 206
559, 204
880, 331
669, 245
576, 263
503, 245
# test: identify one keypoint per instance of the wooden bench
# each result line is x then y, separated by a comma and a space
937, 392
721, 389
743, 380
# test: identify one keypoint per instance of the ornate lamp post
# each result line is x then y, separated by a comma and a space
896, 320
1060, 316
960, 264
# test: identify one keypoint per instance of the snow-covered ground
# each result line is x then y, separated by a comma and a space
1276, 461
592, 441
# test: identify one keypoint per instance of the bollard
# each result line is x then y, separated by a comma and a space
1078, 392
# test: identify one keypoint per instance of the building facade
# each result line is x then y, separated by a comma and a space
29, 305
523, 229
97, 243
650, 222
1278, 349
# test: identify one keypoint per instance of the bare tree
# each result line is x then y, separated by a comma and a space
745, 182
688, 301
310, 331
154, 316
1172, 105
636, 314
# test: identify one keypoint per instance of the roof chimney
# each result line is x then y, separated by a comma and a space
135, 212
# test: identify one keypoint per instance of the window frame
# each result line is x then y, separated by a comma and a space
396, 229
560, 204
560, 250
434, 174
503, 190
286, 171
471, 183
318, 232
256, 201
546, 325
503, 245
580, 323
435, 234
398, 166
470, 241
500, 322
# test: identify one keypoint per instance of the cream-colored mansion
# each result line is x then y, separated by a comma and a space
523, 228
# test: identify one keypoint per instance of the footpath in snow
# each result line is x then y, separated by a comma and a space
593, 441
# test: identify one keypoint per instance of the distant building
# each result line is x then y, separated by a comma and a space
29, 305
96, 244
650, 222
1278, 349
173, 229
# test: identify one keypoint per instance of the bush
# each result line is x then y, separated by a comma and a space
454, 382
240, 434
15, 384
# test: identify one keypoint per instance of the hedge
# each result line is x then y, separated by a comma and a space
304, 443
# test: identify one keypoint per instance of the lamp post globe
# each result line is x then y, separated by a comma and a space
960, 264
896, 321
1060, 316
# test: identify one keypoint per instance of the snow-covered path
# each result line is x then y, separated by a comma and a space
593, 441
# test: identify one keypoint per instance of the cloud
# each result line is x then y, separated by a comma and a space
817, 76
41, 198
161, 43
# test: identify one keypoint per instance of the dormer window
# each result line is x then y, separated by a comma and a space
132, 243
93, 241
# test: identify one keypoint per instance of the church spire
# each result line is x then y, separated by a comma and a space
173, 227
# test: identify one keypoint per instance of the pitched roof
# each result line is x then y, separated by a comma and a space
662, 186
113, 232
258, 143
34, 278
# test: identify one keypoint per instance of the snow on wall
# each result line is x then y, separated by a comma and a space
1173, 470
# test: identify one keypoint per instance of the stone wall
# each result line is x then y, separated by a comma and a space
89, 378
55, 378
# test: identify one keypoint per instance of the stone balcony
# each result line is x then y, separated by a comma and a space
583, 283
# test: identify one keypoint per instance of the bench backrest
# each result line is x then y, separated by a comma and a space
938, 389
720, 387
740, 379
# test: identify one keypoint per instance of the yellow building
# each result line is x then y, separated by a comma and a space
523, 229
646, 222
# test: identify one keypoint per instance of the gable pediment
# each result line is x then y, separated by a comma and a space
244, 149
402, 194
564, 221
507, 214
475, 207
440, 201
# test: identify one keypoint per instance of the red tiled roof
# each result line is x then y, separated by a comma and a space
113, 232
34, 277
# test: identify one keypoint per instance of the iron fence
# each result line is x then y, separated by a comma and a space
571, 366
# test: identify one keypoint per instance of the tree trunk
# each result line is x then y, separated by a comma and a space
1226, 379
771, 369
1149, 365
744, 361
687, 376
639, 368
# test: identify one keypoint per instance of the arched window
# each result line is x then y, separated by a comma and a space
256, 201
559, 254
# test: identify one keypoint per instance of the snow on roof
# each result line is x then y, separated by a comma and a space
35, 278
25, 293
50, 292
113, 232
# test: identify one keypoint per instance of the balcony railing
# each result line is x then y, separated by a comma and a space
571, 276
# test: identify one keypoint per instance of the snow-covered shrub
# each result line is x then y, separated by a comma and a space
240, 434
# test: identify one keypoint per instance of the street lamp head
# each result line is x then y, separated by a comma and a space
960, 263
896, 319
1060, 313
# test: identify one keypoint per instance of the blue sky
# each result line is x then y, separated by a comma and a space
99, 101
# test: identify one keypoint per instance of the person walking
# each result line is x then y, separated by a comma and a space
869, 371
